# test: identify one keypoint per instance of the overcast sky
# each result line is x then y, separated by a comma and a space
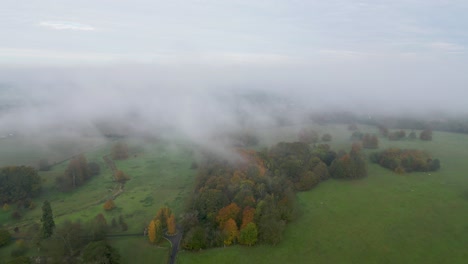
394, 55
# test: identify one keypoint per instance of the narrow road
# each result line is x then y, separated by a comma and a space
175, 243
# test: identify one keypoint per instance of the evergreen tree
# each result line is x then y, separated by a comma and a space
47, 220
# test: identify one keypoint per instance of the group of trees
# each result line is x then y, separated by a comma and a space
310, 136
425, 134
370, 141
72, 240
19, 184
405, 160
251, 202
350, 165
77, 173
164, 220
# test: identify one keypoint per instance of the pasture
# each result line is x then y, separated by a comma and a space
384, 218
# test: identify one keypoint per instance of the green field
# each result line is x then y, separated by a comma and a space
160, 175
384, 218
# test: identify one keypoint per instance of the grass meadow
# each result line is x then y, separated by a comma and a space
160, 175
384, 218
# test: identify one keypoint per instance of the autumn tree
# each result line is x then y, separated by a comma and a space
248, 235
119, 151
47, 220
109, 205
76, 174
248, 215
162, 215
171, 225
230, 232
120, 176
155, 231
228, 212
350, 165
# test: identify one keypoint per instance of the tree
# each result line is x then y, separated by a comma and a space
47, 220
248, 215
100, 252
230, 232
75, 175
5, 237
18, 183
426, 134
228, 212
248, 235
99, 227
120, 176
109, 205
171, 225
154, 231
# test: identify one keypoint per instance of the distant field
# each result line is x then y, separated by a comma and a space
384, 218
18, 150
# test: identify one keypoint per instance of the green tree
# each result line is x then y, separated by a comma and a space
249, 234
47, 220
100, 252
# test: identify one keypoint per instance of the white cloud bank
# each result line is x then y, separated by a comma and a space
64, 25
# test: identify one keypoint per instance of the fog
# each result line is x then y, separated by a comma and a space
199, 101
200, 68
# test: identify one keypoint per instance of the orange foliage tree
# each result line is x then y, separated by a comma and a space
230, 211
230, 232
120, 176
248, 215
109, 205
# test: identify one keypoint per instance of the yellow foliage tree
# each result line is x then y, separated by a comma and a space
6, 207
230, 232
154, 231
171, 225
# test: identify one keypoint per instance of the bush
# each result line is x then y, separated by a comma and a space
109, 205
5, 237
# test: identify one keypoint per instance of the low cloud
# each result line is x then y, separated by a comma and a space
65, 25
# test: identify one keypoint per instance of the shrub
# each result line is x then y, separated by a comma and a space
109, 205
5, 237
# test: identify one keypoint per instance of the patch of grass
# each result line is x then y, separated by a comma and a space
384, 218
166, 180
